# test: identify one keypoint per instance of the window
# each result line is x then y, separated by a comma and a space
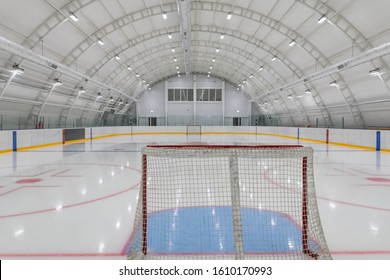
171, 96
183, 95
180, 95
177, 94
209, 95
218, 94
190, 93
212, 94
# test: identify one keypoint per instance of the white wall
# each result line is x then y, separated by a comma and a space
234, 104
152, 100
236, 101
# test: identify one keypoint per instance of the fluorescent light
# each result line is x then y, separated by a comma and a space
208, 75
322, 18
164, 15
17, 69
178, 75
57, 82
99, 96
292, 43
129, 67
261, 68
100, 42
213, 60
374, 72
117, 57
276, 100
177, 66
73, 16
137, 75
274, 58
222, 36
217, 50
333, 84
229, 16
173, 49
169, 36
308, 91
289, 96
251, 76
211, 67
144, 81
82, 90
244, 81
175, 59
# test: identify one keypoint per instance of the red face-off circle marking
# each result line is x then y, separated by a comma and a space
379, 180
29, 181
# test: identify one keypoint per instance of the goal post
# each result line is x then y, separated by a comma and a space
227, 202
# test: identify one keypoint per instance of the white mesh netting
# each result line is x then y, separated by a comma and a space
227, 202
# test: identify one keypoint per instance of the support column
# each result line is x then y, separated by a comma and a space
223, 102
166, 103
195, 88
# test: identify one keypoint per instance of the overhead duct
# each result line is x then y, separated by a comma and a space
18, 50
184, 8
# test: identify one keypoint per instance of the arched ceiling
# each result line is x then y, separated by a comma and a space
274, 50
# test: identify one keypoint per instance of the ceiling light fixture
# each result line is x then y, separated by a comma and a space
292, 43
308, 91
175, 59
274, 58
173, 49
222, 36
251, 76
169, 36
333, 84
100, 42
73, 16
99, 95
374, 72
129, 67
57, 82
137, 75
261, 68
82, 90
322, 19
117, 57
217, 50
17, 69
164, 15
229, 16
213, 60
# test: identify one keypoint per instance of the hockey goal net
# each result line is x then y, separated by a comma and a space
227, 202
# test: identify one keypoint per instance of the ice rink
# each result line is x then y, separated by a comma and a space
78, 201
